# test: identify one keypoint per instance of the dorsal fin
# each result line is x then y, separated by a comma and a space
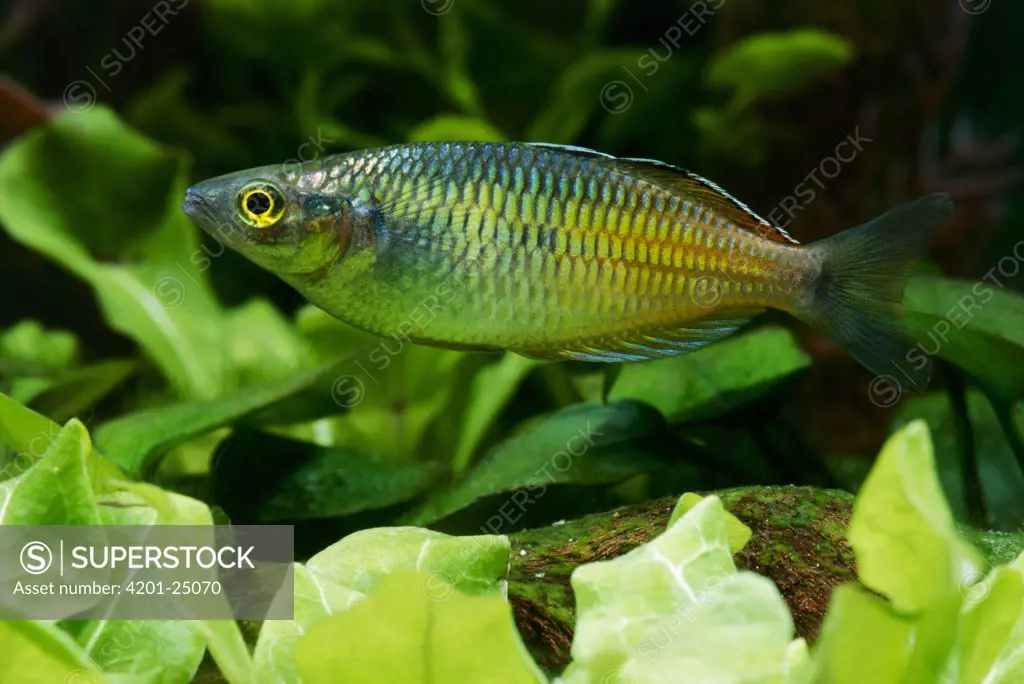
681, 181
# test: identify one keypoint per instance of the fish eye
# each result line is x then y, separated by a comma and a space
260, 204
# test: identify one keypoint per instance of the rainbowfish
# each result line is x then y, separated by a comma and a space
559, 252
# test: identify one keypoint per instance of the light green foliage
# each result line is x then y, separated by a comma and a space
71, 484
900, 520
54, 189
346, 572
678, 604
736, 532
39, 652
938, 614
404, 634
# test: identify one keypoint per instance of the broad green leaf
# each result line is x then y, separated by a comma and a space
583, 444
737, 533
312, 482
716, 379
159, 651
773, 65
144, 651
135, 441
492, 389
678, 604
33, 651
1009, 664
315, 597
455, 127
349, 570
474, 564
976, 325
26, 433
31, 436
902, 531
56, 190
863, 640
987, 623
57, 490
404, 634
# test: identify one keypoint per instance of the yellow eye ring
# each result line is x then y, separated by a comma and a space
260, 205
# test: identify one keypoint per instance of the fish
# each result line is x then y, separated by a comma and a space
561, 252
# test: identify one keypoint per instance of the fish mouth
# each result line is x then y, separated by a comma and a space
199, 209
196, 208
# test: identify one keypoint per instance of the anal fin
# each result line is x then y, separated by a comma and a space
647, 343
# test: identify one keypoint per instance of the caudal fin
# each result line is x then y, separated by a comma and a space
858, 296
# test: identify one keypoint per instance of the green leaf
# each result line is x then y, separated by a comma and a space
402, 634
1001, 479
717, 379
973, 324
857, 618
312, 482
71, 394
455, 127
62, 489
773, 65
144, 651
58, 489
135, 441
902, 531
263, 345
737, 533
349, 570
159, 651
491, 390
33, 651
678, 604
987, 624
57, 186
583, 444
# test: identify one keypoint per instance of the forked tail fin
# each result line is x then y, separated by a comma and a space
858, 296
